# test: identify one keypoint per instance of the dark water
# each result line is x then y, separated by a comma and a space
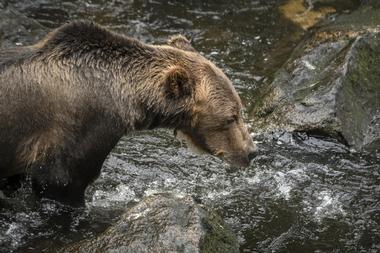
301, 194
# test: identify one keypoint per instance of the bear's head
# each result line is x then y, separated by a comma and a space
213, 120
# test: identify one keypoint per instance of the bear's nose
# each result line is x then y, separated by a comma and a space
252, 155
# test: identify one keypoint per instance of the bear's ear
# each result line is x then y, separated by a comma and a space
178, 83
180, 42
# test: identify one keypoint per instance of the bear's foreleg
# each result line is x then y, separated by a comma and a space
63, 178
64, 171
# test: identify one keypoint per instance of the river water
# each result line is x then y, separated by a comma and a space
300, 194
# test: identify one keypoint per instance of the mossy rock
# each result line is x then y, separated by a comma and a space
330, 85
163, 223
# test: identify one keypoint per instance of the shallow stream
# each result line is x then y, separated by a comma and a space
300, 194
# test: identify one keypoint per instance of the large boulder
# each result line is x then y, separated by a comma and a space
330, 85
163, 223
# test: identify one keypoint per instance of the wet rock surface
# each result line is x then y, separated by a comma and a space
163, 223
330, 85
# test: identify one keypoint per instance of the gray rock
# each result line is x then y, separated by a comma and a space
163, 223
330, 85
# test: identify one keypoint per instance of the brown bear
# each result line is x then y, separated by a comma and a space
67, 100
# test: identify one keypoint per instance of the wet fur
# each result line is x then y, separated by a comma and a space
67, 100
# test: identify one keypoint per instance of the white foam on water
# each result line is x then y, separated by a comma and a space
287, 181
122, 193
256, 179
16, 233
284, 186
329, 206
217, 194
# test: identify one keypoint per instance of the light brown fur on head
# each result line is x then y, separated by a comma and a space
216, 126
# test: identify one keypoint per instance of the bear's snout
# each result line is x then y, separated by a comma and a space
252, 150
252, 155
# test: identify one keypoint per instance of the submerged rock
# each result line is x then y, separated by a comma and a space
163, 223
307, 13
330, 85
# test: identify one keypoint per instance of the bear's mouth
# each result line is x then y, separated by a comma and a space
235, 162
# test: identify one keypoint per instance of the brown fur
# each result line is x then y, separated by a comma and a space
67, 100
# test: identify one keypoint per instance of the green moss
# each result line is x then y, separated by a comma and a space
219, 238
360, 96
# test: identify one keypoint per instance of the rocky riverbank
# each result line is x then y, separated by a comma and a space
330, 86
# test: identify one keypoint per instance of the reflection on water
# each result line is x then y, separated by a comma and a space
301, 194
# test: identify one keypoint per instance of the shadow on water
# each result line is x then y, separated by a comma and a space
301, 194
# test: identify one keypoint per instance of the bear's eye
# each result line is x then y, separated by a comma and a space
231, 120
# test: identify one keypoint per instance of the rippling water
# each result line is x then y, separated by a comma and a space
301, 194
